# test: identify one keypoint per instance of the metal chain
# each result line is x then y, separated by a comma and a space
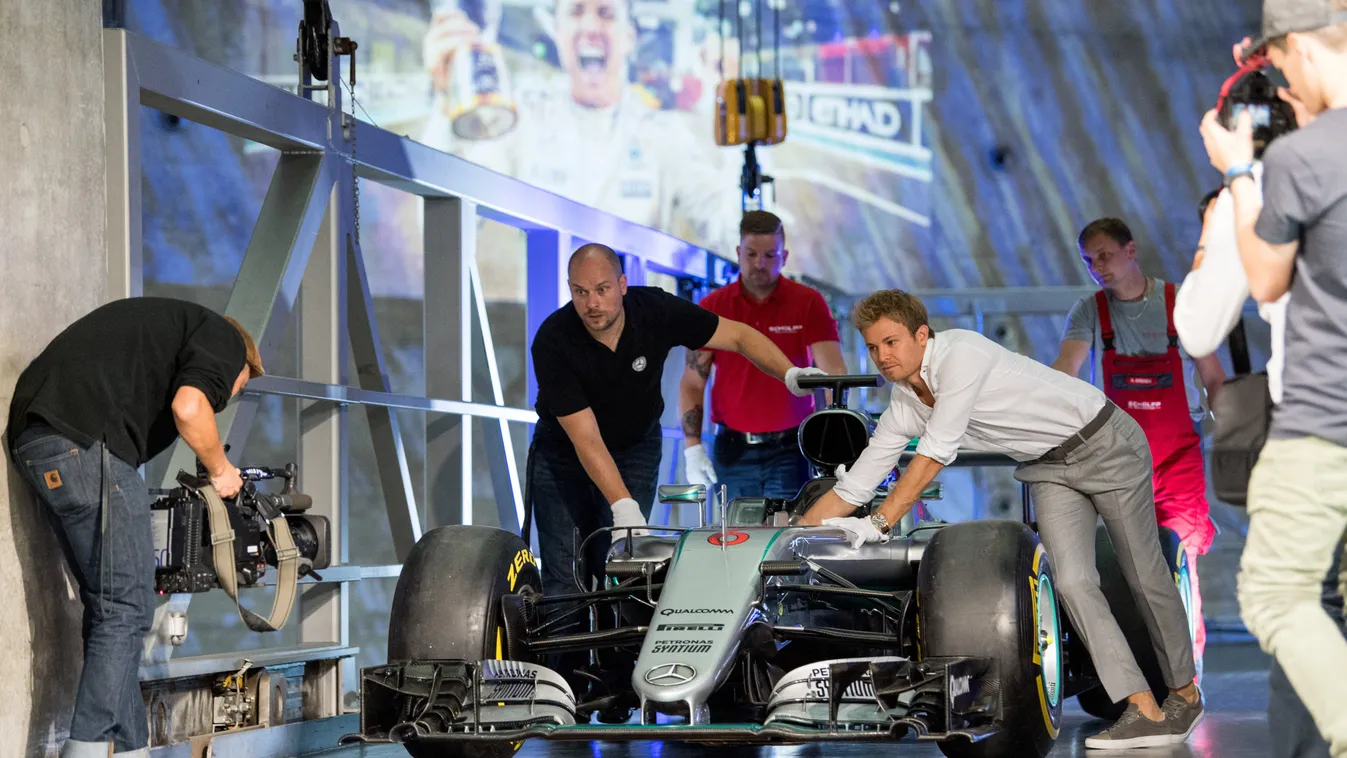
355, 179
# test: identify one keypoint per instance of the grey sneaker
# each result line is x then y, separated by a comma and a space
1132, 730
1182, 716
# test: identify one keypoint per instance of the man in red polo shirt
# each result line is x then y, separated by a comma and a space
756, 454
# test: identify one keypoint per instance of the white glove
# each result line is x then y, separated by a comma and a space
698, 466
793, 379
841, 469
858, 530
627, 513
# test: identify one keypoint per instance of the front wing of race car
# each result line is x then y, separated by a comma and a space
877, 699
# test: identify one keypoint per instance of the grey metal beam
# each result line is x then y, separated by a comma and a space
299, 738
338, 575
268, 281
951, 303
390, 453
121, 120
1012, 301
324, 610
285, 386
389, 449
413, 167
450, 235
499, 440
205, 665
176, 82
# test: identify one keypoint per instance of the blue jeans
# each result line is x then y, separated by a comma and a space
112, 559
1294, 734
774, 469
568, 507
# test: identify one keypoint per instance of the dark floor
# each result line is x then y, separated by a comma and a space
1235, 727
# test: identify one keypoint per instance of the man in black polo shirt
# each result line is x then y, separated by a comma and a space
113, 390
599, 363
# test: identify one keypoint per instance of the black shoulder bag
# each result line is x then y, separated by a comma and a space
1243, 413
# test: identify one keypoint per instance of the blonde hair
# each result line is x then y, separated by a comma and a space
250, 354
896, 305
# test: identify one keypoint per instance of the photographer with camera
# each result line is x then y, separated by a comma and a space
113, 390
1209, 306
1297, 497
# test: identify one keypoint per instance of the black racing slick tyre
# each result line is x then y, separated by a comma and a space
448, 605
1095, 701
986, 589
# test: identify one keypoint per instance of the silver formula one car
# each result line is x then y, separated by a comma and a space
747, 631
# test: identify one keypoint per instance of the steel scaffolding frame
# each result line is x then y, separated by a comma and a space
304, 259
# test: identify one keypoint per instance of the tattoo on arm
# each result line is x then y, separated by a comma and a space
692, 423
700, 361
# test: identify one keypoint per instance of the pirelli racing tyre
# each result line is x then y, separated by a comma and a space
448, 605
986, 589
1095, 701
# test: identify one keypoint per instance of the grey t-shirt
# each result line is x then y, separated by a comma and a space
1305, 199
1138, 329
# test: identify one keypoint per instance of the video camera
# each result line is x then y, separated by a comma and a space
1253, 89
182, 534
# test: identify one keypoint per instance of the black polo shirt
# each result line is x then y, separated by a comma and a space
576, 371
112, 374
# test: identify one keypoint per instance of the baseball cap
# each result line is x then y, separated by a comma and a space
1283, 17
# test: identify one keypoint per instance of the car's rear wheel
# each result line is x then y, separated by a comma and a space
1095, 701
448, 605
986, 589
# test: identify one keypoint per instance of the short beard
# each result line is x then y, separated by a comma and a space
607, 325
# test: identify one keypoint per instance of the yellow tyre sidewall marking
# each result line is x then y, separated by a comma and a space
1048, 721
522, 558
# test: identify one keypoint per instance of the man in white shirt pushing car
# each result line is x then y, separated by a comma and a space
1081, 457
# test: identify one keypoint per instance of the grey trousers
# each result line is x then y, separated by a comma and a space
1109, 475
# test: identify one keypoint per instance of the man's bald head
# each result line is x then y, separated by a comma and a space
594, 251
597, 286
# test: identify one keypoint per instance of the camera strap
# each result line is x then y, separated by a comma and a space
287, 564
1250, 64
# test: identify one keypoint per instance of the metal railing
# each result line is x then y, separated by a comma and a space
305, 241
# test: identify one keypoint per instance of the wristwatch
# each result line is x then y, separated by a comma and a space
882, 524
1236, 171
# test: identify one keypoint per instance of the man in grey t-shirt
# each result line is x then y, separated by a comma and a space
1295, 240
1141, 368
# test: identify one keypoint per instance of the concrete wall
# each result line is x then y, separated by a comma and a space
52, 270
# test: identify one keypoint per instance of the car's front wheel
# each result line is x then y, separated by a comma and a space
986, 589
447, 605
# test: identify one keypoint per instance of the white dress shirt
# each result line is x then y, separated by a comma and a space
987, 398
1210, 301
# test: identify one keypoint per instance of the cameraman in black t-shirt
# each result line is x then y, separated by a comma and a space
599, 362
113, 390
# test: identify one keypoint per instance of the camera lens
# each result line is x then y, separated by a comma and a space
311, 535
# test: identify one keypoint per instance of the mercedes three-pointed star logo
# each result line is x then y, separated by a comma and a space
670, 674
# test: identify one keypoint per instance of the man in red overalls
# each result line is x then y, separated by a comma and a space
1130, 326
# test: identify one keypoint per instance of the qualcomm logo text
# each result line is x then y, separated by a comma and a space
699, 611
958, 685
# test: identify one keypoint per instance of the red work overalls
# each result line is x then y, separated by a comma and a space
1151, 389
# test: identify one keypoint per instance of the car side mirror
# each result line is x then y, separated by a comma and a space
683, 495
